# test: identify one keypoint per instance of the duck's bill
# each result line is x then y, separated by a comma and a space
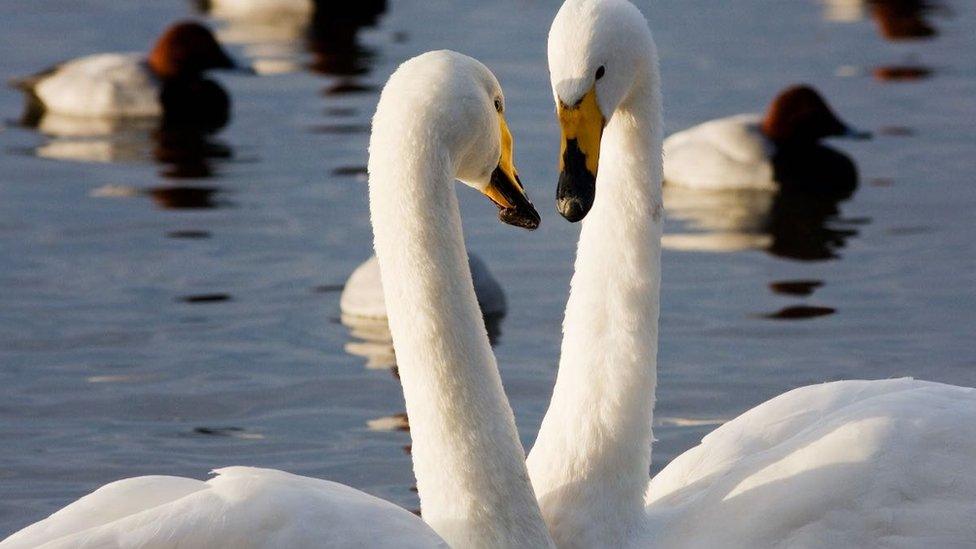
514, 207
854, 133
228, 63
582, 129
505, 188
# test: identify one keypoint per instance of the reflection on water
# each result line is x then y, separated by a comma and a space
333, 37
188, 234
270, 34
895, 19
180, 141
843, 11
231, 432
276, 39
185, 198
903, 19
797, 222
204, 298
800, 312
795, 287
370, 338
902, 73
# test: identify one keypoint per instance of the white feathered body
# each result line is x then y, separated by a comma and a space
849, 464
101, 85
722, 154
260, 8
855, 464
241, 507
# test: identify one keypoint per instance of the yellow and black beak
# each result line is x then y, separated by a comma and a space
505, 188
582, 129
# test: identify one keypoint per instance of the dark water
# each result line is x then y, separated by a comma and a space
169, 299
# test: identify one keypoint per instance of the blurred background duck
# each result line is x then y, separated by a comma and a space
131, 107
777, 150
169, 82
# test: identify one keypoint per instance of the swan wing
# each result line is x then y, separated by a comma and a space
728, 153
242, 507
846, 464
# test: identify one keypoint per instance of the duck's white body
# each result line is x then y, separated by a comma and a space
851, 464
362, 296
468, 460
241, 507
260, 8
722, 154
101, 85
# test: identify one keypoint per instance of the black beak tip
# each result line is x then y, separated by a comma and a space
573, 209
526, 217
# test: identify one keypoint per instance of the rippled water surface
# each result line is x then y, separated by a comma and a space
169, 299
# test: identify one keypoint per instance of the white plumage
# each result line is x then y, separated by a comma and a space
241, 507
727, 153
849, 464
106, 84
846, 464
469, 463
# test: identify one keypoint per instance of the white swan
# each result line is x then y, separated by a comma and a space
751, 151
439, 117
847, 464
362, 296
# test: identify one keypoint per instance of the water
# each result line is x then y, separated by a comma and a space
170, 304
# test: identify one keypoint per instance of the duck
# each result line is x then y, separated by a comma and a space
845, 464
750, 151
259, 9
167, 83
440, 118
362, 295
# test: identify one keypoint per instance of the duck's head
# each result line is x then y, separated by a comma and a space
598, 52
186, 50
452, 103
800, 116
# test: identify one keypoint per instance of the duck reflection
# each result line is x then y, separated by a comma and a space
184, 197
843, 11
333, 36
181, 140
276, 33
895, 19
370, 339
903, 19
798, 221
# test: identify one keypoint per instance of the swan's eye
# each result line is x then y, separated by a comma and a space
600, 72
498, 105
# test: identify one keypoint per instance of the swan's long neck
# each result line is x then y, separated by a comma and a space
591, 461
469, 463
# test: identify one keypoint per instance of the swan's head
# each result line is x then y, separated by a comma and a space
597, 50
443, 102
